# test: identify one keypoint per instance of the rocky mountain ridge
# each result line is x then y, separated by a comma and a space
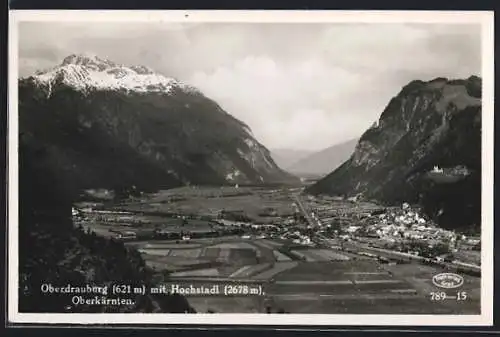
107, 125
87, 72
427, 131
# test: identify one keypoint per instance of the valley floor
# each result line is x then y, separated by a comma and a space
267, 239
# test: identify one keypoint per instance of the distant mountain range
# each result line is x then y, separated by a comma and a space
103, 124
324, 161
285, 158
314, 163
427, 131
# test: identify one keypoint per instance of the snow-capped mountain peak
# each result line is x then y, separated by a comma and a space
86, 72
88, 60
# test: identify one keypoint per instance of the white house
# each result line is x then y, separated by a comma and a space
436, 169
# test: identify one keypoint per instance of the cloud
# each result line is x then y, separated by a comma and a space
296, 85
286, 103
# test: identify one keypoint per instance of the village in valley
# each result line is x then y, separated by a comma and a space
310, 252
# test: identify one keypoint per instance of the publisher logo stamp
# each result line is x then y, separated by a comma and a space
447, 280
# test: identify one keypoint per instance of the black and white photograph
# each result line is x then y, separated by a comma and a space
334, 167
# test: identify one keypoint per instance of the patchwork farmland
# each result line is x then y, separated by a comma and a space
254, 236
325, 281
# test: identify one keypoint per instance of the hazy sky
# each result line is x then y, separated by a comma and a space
300, 86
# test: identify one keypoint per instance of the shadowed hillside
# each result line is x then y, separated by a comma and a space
426, 148
151, 136
52, 251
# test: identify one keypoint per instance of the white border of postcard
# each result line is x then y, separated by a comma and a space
485, 19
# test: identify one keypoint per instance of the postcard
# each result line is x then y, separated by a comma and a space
276, 168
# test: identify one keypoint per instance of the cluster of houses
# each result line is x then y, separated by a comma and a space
393, 227
407, 223
387, 224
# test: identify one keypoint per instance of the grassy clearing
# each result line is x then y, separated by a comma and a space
211, 200
359, 305
280, 257
197, 272
321, 255
297, 289
248, 271
326, 270
276, 269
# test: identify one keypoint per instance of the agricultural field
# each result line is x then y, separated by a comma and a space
361, 287
277, 268
324, 271
331, 287
298, 278
280, 257
356, 304
257, 203
229, 257
313, 255
145, 226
